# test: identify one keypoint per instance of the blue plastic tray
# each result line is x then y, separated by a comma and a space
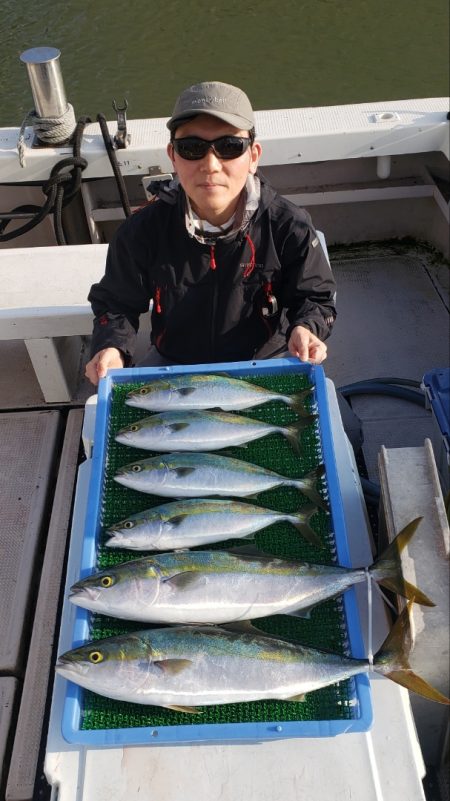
196, 733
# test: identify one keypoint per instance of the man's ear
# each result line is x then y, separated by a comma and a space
170, 152
255, 156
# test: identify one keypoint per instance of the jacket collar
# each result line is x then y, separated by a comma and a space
247, 206
171, 192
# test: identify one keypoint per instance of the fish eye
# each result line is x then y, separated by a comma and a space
128, 524
136, 468
143, 391
106, 581
95, 657
134, 427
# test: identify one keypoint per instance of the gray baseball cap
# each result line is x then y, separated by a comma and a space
221, 100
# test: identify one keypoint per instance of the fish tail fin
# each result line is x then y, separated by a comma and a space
292, 434
300, 521
387, 569
293, 431
307, 485
392, 660
297, 401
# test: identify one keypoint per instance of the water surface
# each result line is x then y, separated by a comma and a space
284, 54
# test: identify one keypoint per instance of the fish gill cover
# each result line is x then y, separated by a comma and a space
326, 627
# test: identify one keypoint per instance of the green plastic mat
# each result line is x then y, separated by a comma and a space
326, 627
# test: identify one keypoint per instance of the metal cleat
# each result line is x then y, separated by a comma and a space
121, 138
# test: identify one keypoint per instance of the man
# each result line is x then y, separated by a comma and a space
235, 271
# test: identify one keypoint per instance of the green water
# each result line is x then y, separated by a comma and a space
284, 54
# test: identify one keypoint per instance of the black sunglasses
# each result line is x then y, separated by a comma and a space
194, 148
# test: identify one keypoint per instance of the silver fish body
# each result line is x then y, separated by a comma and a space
197, 521
210, 587
206, 391
203, 431
190, 475
189, 667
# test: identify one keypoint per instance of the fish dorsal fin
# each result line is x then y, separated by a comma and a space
242, 627
173, 666
248, 550
227, 451
188, 710
181, 581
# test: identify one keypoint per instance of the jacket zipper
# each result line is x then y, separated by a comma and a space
215, 297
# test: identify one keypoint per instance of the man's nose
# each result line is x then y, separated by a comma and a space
210, 162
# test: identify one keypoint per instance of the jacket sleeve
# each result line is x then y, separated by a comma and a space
122, 294
308, 285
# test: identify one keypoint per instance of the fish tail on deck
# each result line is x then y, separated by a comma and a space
391, 660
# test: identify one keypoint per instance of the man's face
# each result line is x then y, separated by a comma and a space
213, 185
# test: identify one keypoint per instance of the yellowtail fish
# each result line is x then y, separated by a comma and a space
204, 431
223, 586
198, 521
187, 667
201, 391
195, 475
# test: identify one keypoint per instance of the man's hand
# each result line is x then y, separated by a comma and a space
104, 360
306, 346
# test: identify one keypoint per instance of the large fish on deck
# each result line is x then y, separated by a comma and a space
201, 391
196, 475
204, 431
185, 668
222, 586
198, 521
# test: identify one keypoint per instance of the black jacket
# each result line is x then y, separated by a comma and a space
212, 303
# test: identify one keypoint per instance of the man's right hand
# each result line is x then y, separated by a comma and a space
104, 360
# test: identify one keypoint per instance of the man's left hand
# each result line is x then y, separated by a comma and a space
306, 346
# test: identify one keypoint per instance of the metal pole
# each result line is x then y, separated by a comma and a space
46, 81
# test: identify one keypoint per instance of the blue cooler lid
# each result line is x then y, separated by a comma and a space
437, 387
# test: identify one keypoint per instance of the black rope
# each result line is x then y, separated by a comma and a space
60, 189
101, 119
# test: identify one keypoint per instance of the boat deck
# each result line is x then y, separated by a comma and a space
393, 321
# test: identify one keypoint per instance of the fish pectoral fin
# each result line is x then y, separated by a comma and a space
181, 581
173, 666
183, 391
189, 710
177, 426
181, 472
300, 697
177, 520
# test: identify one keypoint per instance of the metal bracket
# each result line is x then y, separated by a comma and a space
121, 138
